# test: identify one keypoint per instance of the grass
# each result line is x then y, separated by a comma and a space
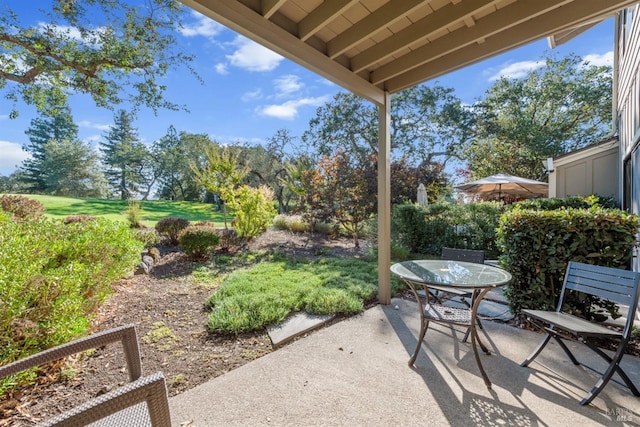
151, 211
268, 292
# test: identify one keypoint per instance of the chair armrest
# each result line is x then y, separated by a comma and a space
139, 403
126, 334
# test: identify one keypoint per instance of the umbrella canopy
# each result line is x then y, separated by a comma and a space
500, 185
422, 195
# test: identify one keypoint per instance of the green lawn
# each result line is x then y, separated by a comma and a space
152, 211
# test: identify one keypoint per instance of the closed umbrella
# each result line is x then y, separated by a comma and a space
501, 184
422, 195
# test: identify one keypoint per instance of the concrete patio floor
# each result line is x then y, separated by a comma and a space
355, 373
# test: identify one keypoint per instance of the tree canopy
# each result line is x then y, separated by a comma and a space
111, 50
428, 124
557, 108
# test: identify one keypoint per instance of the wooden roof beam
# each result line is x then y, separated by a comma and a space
321, 16
269, 7
568, 16
381, 18
494, 23
420, 30
252, 25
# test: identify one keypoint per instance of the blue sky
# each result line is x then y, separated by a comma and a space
250, 92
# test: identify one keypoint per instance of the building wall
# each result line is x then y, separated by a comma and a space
627, 100
591, 170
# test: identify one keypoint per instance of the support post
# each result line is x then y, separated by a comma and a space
384, 200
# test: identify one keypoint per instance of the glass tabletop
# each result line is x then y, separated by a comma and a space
457, 274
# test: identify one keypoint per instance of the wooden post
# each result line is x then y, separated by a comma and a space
384, 201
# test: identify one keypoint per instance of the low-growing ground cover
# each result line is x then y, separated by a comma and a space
266, 293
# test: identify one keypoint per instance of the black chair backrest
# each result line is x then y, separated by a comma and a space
469, 255
613, 284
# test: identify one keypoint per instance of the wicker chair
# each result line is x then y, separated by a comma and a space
141, 402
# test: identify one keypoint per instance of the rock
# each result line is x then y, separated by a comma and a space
143, 268
148, 260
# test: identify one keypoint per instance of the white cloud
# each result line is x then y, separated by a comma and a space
251, 96
94, 140
91, 125
289, 110
221, 68
12, 156
599, 60
517, 70
287, 84
60, 30
251, 56
203, 26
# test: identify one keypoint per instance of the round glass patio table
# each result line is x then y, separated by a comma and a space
480, 278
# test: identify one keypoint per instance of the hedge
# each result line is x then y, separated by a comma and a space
537, 245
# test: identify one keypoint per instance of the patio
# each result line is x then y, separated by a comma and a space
355, 373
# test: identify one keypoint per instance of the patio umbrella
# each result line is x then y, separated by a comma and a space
500, 185
422, 195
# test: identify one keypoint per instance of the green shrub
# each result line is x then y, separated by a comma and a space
280, 222
426, 230
171, 228
253, 209
53, 276
537, 245
323, 228
148, 236
134, 213
22, 208
78, 218
293, 223
576, 202
198, 241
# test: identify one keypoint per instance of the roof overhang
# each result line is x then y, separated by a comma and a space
374, 46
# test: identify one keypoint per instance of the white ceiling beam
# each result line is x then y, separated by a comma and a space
571, 15
252, 25
420, 30
269, 7
494, 23
321, 16
562, 37
382, 17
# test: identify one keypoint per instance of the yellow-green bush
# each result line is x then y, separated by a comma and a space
253, 208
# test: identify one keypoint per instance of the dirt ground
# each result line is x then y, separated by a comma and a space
168, 308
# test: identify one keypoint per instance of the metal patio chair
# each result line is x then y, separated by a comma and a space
613, 284
439, 295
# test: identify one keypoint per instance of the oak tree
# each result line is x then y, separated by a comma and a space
111, 50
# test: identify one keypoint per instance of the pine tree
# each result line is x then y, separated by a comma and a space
42, 130
74, 169
123, 155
